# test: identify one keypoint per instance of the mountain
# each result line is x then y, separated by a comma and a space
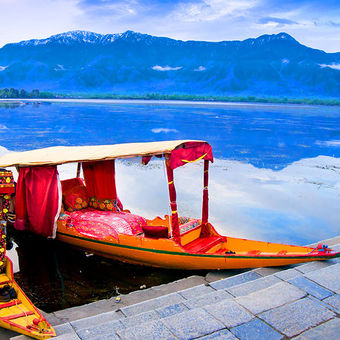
130, 62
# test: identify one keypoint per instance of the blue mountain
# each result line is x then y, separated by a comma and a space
130, 62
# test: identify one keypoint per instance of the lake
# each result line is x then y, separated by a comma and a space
276, 177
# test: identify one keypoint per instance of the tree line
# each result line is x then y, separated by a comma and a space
22, 94
15, 93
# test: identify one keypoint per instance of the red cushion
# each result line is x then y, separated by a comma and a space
76, 198
68, 184
155, 231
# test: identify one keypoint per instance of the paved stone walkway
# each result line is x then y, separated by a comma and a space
299, 302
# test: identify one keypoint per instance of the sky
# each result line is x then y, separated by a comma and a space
314, 23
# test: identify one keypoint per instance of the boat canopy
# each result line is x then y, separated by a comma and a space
195, 150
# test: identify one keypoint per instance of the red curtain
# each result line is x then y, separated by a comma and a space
38, 200
191, 152
100, 180
173, 203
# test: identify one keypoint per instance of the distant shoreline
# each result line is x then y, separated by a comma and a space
22, 101
37, 95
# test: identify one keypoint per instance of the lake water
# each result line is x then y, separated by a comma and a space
276, 177
268, 136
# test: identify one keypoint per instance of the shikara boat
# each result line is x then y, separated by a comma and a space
92, 217
17, 312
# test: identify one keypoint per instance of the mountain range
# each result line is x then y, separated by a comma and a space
134, 63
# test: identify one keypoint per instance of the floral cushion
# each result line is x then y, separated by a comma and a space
76, 198
106, 204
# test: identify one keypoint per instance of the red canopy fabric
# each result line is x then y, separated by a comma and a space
100, 180
38, 200
191, 152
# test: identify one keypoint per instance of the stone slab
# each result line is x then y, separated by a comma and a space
192, 324
229, 313
178, 285
253, 286
311, 287
135, 320
67, 337
64, 329
256, 330
208, 299
327, 330
158, 302
107, 330
296, 317
288, 274
265, 271
216, 275
327, 277
312, 266
171, 310
334, 301
235, 280
96, 320
91, 309
271, 297
196, 291
224, 334
154, 330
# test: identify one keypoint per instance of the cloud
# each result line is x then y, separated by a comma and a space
159, 130
333, 143
166, 68
278, 21
59, 68
200, 69
3, 68
210, 10
333, 66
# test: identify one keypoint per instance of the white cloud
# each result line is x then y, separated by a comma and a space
200, 69
3, 68
59, 68
210, 10
333, 66
329, 143
159, 130
166, 68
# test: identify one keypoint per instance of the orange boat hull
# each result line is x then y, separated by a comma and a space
166, 253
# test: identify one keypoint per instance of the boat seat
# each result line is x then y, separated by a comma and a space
203, 244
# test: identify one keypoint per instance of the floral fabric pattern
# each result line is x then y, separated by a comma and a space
192, 224
100, 224
6, 182
76, 198
106, 204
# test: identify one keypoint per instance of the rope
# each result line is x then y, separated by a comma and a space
16, 303
199, 158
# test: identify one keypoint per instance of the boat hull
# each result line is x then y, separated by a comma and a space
20, 315
167, 254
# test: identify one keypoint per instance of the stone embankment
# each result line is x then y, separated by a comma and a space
296, 302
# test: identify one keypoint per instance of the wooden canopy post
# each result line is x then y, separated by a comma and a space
205, 204
78, 169
173, 203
